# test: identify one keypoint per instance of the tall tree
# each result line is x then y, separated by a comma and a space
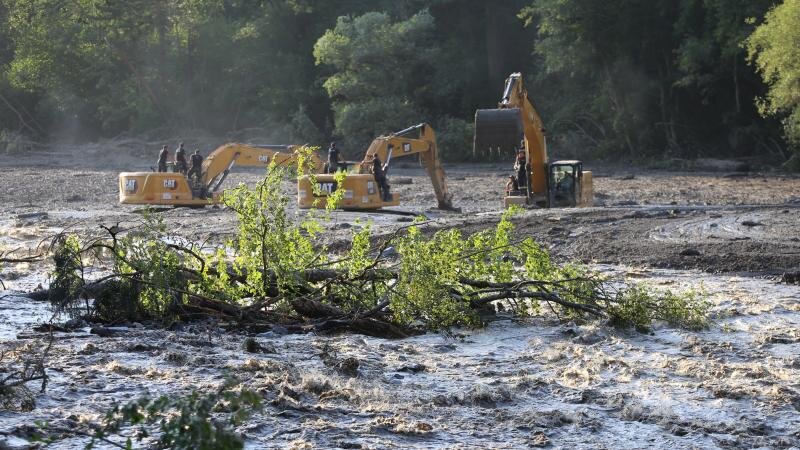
643, 78
380, 67
774, 48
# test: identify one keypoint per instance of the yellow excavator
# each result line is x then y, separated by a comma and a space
515, 126
361, 190
177, 189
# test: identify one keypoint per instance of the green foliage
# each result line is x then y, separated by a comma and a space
269, 247
138, 65
150, 271
454, 138
196, 421
638, 306
651, 78
148, 282
358, 258
429, 267
773, 49
304, 129
67, 282
379, 63
434, 268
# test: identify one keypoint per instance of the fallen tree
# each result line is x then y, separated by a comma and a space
277, 272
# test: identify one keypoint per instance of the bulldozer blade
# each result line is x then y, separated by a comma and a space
497, 130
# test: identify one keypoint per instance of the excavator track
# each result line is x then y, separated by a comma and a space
497, 131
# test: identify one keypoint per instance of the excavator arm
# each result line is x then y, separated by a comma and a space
419, 139
515, 121
220, 162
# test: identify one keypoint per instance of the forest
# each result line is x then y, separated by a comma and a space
620, 80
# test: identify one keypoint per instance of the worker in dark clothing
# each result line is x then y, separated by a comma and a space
512, 187
162, 159
196, 168
334, 158
181, 165
379, 172
520, 165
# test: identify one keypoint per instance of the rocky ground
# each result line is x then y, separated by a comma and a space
515, 384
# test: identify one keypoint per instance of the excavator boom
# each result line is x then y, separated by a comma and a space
220, 162
418, 139
514, 125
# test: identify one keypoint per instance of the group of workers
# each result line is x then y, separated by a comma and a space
335, 163
192, 169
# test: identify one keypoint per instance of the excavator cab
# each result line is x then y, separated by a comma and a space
568, 185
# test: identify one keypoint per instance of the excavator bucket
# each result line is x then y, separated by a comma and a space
497, 130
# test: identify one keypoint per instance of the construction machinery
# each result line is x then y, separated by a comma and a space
361, 190
516, 127
177, 189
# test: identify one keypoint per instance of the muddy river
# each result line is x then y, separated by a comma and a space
514, 384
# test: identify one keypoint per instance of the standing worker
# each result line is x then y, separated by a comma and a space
379, 172
180, 160
520, 165
196, 168
334, 158
512, 187
162, 159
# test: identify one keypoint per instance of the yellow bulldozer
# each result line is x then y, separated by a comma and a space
515, 126
361, 190
176, 189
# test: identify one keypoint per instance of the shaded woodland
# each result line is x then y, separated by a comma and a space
630, 80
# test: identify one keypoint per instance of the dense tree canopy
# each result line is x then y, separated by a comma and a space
775, 49
381, 68
618, 79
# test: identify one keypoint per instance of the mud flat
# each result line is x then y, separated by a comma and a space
514, 384
707, 221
